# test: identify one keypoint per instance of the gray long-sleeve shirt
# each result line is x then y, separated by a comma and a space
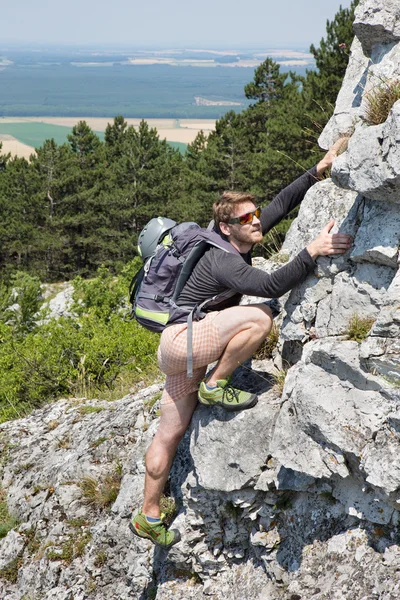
218, 271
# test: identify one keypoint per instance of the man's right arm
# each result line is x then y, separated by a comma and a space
231, 271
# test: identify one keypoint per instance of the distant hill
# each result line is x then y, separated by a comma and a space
142, 84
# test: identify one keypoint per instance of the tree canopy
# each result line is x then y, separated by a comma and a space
80, 205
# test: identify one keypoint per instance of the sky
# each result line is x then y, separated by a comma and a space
175, 23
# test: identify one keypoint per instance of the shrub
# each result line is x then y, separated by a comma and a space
379, 101
24, 292
99, 353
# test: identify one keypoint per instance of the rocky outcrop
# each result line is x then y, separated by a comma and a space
297, 498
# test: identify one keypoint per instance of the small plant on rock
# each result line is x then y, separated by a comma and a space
379, 101
359, 327
168, 508
100, 559
7, 521
269, 344
97, 442
10, 572
101, 494
71, 548
87, 409
64, 442
279, 379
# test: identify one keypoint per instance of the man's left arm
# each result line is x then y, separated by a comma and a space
292, 195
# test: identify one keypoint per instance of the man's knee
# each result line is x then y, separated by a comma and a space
170, 437
262, 317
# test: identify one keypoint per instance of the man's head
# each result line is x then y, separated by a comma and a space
235, 213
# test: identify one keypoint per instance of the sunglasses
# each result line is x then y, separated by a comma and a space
246, 218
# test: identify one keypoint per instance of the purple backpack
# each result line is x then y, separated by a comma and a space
156, 287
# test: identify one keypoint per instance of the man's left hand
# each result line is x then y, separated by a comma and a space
338, 147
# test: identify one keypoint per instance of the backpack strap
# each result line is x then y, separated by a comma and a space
135, 284
197, 313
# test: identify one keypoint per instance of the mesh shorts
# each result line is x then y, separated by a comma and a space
172, 356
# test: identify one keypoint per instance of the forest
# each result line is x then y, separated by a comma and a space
74, 212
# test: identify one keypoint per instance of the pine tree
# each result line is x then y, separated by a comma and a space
114, 137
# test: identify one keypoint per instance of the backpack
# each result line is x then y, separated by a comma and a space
155, 289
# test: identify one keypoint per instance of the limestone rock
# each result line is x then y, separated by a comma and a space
371, 163
221, 437
377, 23
378, 236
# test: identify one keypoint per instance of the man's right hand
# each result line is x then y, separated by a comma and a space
329, 243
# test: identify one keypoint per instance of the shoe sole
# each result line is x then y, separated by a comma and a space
235, 407
142, 537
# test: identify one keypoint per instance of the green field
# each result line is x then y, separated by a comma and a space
35, 134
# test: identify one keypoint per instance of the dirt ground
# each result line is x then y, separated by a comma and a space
16, 148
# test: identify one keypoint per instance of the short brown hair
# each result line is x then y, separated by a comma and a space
223, 208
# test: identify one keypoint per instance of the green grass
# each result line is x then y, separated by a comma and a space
178, 146
87, 409
35, 134
359, 327
101, 494
7, 521
379, 101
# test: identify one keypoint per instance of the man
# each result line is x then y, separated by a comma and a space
230, 334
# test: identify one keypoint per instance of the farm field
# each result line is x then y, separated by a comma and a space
12, 146
45, 92
21, 135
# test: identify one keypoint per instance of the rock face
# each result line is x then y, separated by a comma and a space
297, 498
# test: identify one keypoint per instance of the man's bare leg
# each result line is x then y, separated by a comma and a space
242, 330
245, 328
175, 418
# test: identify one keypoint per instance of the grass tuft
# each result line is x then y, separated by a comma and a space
96, 443
379, 101
70, 549
101, 494
87, 409
359, 328
7, 521
269, 344
10, 572
168, 507
279, 379
100, 559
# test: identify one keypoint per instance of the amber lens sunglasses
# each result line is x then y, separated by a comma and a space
247, 218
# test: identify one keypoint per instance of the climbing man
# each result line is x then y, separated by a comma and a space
229, 334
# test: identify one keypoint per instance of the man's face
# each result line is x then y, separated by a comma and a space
248, 234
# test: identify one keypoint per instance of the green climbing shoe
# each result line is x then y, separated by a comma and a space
227, 396
157, 532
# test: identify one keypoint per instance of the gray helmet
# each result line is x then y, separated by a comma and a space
151, 235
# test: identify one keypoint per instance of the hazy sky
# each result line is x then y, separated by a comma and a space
166, 22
